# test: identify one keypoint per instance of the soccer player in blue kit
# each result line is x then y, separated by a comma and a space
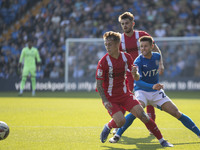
148, 90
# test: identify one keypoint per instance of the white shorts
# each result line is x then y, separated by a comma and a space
156, 99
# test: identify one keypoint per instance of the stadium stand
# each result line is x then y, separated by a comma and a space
12, 10
53, 21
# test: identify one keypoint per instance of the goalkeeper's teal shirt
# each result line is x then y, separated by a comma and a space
29, 56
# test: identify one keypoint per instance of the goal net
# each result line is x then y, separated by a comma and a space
180, 54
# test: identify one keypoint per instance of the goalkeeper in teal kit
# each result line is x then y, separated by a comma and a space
29, 56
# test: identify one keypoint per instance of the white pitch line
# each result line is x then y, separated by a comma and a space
93, 127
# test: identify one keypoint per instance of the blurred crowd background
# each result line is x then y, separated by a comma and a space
58, 20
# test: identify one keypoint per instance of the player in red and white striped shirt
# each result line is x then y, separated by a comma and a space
115, 94
130, 44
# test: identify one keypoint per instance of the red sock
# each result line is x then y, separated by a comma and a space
151, 126
112, 124
151, 112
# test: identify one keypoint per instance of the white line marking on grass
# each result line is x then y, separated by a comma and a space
95, 127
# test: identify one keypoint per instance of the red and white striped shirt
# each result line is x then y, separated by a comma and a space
113, 73
131, 44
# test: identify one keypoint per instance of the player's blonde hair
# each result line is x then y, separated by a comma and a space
115, 36
126, 15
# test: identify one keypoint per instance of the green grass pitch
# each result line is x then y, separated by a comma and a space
64, 123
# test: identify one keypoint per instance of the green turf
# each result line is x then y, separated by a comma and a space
75, 124
172, 94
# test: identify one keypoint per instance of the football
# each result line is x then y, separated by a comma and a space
4, 130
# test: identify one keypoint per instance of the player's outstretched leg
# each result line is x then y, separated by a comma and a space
150, 124
188, 123
171, 108
152, 127
129, 120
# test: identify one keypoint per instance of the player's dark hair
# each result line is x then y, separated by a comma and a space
126, 15
146, 38
115, 36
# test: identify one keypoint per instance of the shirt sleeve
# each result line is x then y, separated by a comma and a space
143, 84
100, 73
38, 56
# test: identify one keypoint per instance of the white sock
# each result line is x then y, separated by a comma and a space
117, 135
161, 140
107, 126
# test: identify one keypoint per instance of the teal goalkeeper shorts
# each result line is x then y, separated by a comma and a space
27, 70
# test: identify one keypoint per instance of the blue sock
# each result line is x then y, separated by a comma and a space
187, 122
129, 120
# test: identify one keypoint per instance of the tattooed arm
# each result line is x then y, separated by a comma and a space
100, 89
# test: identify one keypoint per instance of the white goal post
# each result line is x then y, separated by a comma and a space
83, 54
76, 41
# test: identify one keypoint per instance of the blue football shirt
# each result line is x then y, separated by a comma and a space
148, 70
